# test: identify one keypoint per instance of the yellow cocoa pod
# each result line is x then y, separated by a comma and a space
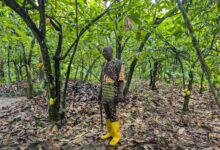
188, 93
47, 21
40, 66
51, 86
51, 101
185, 90
184, 94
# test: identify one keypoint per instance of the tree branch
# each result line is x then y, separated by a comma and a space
84, 30
205, 67
30, 23
42, 18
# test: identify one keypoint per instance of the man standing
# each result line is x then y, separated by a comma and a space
111, 91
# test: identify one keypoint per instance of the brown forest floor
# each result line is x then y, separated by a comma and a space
149, 120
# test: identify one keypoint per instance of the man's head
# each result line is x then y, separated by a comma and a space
107, 53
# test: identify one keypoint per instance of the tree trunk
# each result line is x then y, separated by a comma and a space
53, 112
57, 69
140, 48
20, 67
2, 73
183, 72
201, 84
8, 63
16, 71
140, 73
82, 70
118, 46
29, 79
151, 74
154, 75
76, 72
53, 109
27, 62
130, 74
187, 97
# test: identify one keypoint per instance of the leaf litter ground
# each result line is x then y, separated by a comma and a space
149, 120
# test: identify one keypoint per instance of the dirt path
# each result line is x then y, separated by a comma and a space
7, 101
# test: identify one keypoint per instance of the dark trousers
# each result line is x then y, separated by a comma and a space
109, 102
111, 110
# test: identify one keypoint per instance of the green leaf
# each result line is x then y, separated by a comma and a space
135, 18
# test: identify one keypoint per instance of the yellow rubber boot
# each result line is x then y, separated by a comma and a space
116, 133
108, 128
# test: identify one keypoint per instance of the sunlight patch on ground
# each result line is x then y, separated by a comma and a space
7, 101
